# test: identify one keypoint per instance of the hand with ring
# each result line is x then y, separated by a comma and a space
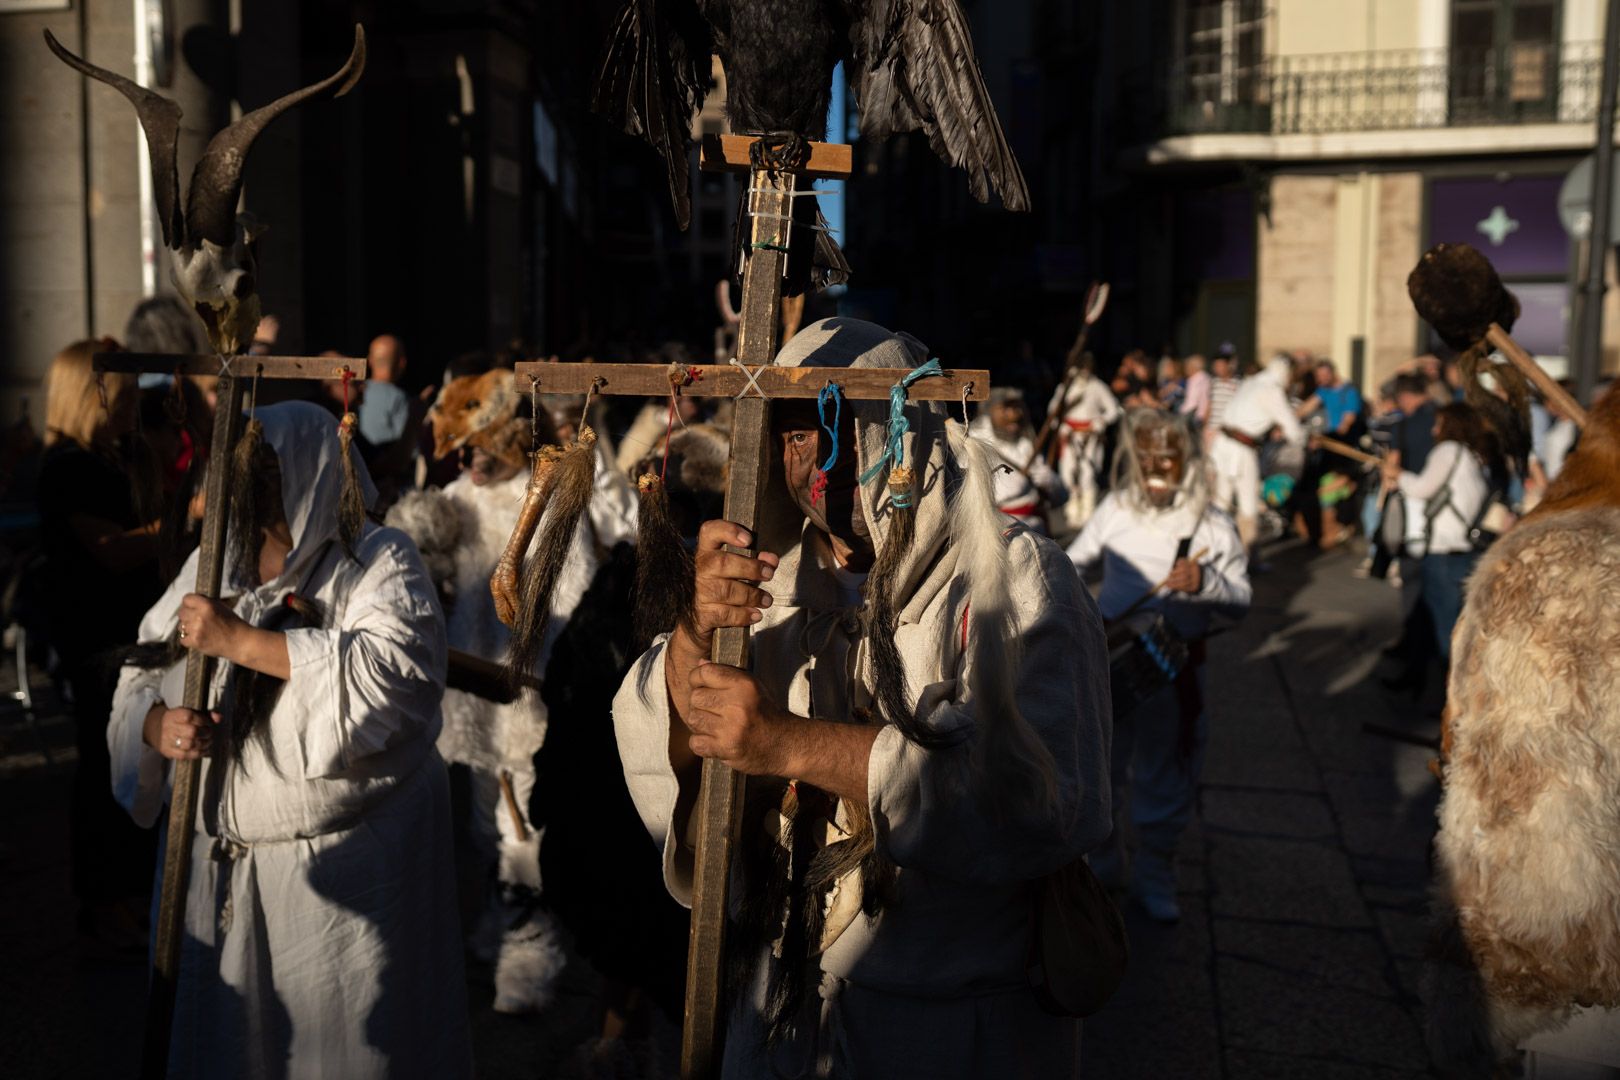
179, 734
209, 626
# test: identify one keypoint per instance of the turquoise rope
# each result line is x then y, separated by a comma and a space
894, 450
833, 391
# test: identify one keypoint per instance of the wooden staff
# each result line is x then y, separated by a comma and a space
1096, 303
1550, 390
1150, 594
1344, 449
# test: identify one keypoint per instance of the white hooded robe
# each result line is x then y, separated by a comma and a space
321, 929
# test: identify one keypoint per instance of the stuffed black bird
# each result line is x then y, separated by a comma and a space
910, 63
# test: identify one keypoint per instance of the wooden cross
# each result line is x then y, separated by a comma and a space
233, 373
752, 385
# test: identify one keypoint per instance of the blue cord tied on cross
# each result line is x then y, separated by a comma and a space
834, 393
894, 448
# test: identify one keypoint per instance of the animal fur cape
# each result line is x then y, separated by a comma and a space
1528, 854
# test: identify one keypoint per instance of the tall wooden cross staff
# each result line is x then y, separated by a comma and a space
233, 372
752, 381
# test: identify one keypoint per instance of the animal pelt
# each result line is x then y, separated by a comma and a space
432, 520
576, 473
705, 455
478, 732
531, 961
1528, 853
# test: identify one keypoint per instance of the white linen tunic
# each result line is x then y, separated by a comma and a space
321, 930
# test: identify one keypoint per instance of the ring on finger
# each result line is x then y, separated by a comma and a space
177, 741
182, 632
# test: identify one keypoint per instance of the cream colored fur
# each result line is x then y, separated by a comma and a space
1016, 762
1528, 853
478, 732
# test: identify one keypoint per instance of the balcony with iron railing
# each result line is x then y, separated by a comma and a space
1385, 91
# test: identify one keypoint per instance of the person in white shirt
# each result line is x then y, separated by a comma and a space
1019, 491
1260, 404
1195, 402
1091, 407
1157, 525
1223, 384
1454, 485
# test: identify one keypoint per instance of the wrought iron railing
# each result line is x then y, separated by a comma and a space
1383, 91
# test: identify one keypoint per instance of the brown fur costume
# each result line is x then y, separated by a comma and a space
1528, 854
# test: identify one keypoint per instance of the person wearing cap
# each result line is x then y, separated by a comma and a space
1259, 406
1027, 486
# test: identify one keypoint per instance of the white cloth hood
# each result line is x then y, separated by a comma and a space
305, 439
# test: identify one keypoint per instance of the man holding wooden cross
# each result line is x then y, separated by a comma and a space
882, 915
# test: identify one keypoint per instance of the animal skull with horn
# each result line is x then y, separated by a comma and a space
214, 263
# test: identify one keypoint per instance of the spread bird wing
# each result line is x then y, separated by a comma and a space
913, 69
653, 81
160, 120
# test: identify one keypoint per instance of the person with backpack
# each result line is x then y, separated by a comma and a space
1456, 488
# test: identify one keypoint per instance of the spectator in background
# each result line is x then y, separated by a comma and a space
390, 420
1223, 384
1340, 402
386, 409
1411, 441
101, 559
1135, 383
1195, 397
1454, 484
1172, 387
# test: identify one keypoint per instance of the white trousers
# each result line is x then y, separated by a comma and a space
1236, 472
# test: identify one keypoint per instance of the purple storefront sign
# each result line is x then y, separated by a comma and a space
1514, 222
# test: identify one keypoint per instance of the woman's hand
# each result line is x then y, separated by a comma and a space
179, 734
210, 627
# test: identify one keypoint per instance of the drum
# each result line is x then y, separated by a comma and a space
1144, 657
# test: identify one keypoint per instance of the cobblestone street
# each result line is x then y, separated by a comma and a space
1302, 881
1303, 876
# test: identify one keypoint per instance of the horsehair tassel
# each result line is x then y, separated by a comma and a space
503, 583
664, 570
243, 535
570, 493
351, 503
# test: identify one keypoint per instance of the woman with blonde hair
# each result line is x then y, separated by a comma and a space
100, 575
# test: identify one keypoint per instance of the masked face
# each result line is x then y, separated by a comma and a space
1007, 417
834, 510
1164, 463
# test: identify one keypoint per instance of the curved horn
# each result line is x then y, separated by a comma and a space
160, 119
216, 182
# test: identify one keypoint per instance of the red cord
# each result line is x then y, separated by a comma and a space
347, 375
669, 429
692, 375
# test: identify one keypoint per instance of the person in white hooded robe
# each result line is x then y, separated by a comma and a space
1157, 525
321, 931
916, 967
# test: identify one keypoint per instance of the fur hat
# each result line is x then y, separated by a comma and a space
481, 411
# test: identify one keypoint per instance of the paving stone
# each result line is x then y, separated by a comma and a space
1266, 813
1284, 880
1283, 1012
1342, 959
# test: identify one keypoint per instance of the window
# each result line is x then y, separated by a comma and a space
1220, 70
1504, 60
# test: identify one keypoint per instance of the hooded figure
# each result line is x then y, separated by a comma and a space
902, 832
1156, 525
319, 904
1259, 405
